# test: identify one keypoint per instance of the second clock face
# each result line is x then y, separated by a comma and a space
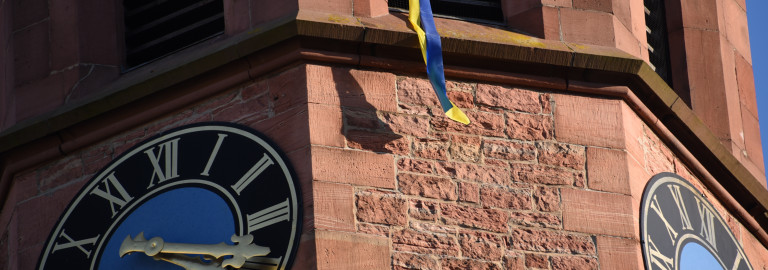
681, 230
197, 197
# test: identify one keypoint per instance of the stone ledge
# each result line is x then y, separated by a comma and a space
378, 42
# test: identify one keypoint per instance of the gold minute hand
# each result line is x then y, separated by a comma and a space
243, 250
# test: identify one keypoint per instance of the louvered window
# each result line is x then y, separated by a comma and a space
156, 28
486, 11
658, 41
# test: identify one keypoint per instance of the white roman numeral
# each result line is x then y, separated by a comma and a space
262, 263
707, 223
670, 230
269, 216
213, 154
169, 150
737, 261
72, 243
685, 220
115, 203
254, 172
659, 259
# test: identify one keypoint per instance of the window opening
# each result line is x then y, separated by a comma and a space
658, 40
156, 28
484, 11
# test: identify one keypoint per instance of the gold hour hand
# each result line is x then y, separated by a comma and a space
241, 251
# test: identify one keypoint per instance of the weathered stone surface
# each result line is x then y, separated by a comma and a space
416, 165
469, 192
547, 199
402, 260
478, 245
509, 150
407, 124
534, 260
464, 100
423, 210
508, 98
541, 174
514, 261
382, 208
465, 148
353, 166
550, 241
599, 213
486, 219
340, 250
430, 149
427, 186
563, 155
468, 264
541, 220
619, 253
416, 91
433, 228
574, 262
473, 172
516, 199
333, 206
532, 127
410, 240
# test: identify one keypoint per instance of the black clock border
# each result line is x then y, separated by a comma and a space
644, 211
134, 205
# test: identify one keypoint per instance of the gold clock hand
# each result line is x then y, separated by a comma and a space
241, 251
188, 262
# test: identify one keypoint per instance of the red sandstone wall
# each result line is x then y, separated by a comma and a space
538, 180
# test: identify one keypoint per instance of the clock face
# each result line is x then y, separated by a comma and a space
203, 196
681, 230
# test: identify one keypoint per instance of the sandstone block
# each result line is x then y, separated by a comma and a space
562, 155
509, 150
547, 199
341, 250
382, 208
333, 206
409, 240
468, 264
416, 165
402, 260
353, 167
478, 245
533, 127
509, 98
423, 210
533, 260
597, 212
473, 172
550, 241
534, 219
486, 219
469, 192
538, 174
427, 186
516, 199
574, 262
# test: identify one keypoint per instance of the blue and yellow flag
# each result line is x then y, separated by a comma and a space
420, 16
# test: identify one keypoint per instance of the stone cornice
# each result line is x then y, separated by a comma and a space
471, 51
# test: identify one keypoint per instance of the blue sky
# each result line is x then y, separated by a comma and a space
758, 38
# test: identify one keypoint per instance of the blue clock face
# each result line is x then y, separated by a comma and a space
204, 196
681, 230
